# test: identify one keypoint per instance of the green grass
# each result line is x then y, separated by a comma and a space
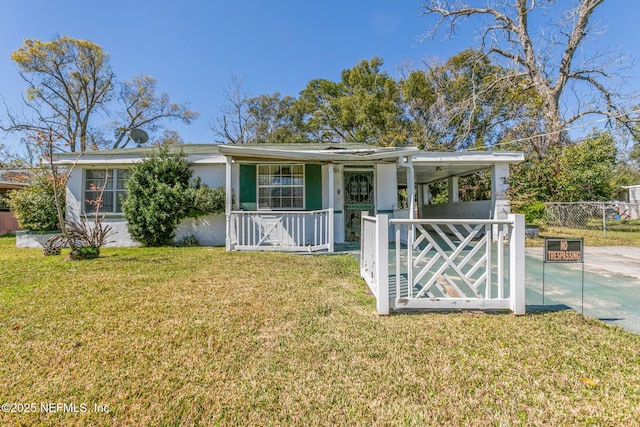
197, 336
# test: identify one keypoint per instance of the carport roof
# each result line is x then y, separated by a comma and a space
432, 167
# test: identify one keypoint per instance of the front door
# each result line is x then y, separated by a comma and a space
358, 197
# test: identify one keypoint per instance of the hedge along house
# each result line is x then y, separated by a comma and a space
296, 197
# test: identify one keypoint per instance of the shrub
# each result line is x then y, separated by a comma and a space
533, 212
35, 207
206, 200
188, 242
160, 195
157, 196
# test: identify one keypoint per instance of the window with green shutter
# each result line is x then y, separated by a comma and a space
280, 187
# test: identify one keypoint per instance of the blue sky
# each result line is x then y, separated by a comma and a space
194, 47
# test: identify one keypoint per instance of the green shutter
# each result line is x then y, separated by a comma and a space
313, 187
248, 186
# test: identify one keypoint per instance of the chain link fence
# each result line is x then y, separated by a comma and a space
605, 216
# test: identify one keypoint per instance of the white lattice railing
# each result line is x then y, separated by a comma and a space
447, 264
282, 230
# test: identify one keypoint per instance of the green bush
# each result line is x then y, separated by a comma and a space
160, 195
207, 200
35, 207
533, 212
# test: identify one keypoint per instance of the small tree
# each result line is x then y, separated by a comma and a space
160, 195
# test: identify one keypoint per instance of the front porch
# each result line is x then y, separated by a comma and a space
444, 264
310, 197
446, 255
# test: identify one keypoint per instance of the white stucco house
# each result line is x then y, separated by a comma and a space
298, 196
317, 197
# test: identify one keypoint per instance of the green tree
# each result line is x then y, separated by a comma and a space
587, 169
582, 171
157, 197
274, 119
365, 106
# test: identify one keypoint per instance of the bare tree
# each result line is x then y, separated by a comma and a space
144, 109
549, 59
232, 127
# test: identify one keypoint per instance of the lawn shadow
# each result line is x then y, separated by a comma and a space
549, 308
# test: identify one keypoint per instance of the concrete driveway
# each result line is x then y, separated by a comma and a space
611, 284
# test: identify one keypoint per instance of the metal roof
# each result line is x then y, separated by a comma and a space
428, 166
317, 152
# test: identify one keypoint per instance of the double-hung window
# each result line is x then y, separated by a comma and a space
111, 183
281, 186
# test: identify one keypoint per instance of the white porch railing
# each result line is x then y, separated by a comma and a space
445, 264
282, 230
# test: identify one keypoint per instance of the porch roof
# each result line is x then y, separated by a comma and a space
430, 167
320, 153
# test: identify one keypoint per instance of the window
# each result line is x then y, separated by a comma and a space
4, 202
280, 186
113, 195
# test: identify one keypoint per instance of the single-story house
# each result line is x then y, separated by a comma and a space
629, 194
414, 254
10, 179
298, 196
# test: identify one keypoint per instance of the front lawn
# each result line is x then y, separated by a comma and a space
197, 336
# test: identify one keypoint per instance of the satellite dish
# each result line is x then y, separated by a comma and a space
139, 136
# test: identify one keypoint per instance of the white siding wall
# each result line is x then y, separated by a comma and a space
209, 230
386, 187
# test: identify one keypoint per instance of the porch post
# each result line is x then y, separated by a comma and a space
331, 236
228, 203
454, 193
411, 189
516, 265
499, 188
382, 263
420, 200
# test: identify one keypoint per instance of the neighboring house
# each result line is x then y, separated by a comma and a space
10, 179
297, 196
630, 194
